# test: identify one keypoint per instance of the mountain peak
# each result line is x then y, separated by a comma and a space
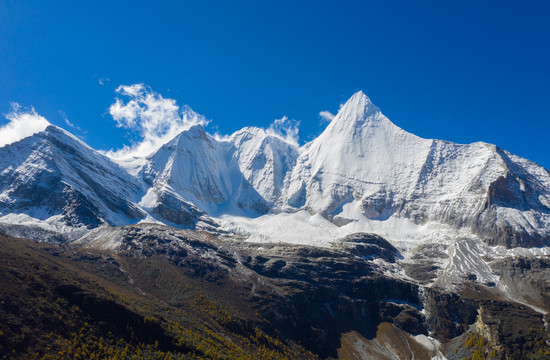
360, 95
196, 129
357, 110
360, 100
63, 136
186, 137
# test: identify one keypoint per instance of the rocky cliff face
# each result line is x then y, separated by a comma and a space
310, 295
324, 297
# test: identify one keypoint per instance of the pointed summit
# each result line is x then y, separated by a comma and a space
359, 119
356, 110
360, 100
361, 148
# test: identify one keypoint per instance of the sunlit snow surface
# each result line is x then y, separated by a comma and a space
52, 223
305, 229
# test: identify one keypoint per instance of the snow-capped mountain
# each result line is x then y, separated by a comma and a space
56, 178
361, 155
243, 174
361, 168
265, 161
363, 165
197, 168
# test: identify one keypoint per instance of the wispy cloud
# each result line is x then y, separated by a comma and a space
326, 115
155, 119
102, 80
65, 118
22, 123
285, 129
68, 122
216, 134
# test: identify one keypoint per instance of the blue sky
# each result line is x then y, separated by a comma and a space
462, 71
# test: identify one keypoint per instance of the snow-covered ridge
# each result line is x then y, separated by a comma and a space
53, 177
362, 173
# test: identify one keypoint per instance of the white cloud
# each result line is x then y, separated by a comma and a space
155, 119
285, 129
21, 124
220, 137
326, 115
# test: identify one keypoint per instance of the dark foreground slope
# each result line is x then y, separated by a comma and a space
57, 303
163, 293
